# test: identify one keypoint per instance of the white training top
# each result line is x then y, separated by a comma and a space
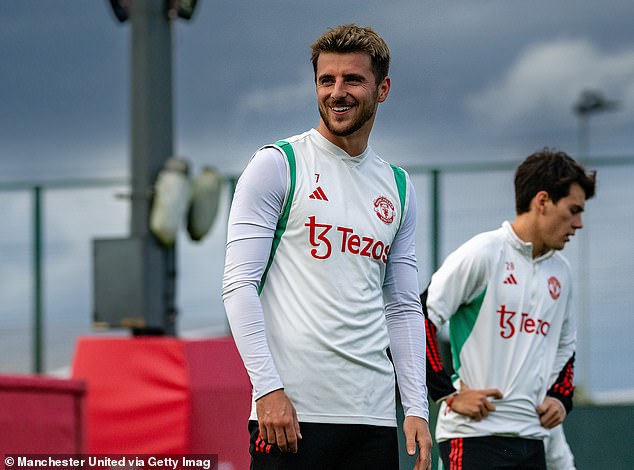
340, 288
510, 328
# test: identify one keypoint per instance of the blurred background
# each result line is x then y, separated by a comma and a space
476, 87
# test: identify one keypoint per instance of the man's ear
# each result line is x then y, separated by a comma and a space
384, 89
540, 199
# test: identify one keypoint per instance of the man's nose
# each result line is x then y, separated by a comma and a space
339, 89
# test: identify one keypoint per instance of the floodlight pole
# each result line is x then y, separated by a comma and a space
151, 145
135, 277
590, 102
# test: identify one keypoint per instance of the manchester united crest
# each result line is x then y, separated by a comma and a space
554, 287
384, 209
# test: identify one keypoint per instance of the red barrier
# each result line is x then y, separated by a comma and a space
40, 415
164, 395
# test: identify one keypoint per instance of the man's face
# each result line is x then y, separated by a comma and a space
563, 219
347, 93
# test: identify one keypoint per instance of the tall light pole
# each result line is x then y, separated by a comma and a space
135, 277
590, 102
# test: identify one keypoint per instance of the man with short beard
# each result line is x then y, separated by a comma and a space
321, 279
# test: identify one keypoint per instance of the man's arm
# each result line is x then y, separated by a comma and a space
459, 278
558, 401
438, 380
252, 220
563, 389
562, 376
405, 323
407, 336
255, 209
466, 401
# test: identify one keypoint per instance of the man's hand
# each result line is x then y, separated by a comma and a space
277, 421
417, 434
473, 403
551, 412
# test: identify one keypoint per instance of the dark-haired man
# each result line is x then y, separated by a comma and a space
506, 295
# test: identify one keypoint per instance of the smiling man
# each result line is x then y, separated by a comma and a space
506, 295
321, 279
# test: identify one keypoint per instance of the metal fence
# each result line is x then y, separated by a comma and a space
46, 260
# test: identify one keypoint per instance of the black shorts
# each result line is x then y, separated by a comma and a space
329, 446
492, 453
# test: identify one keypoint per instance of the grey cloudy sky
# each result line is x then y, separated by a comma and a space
472, 80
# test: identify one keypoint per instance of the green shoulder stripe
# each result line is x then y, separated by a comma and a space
401, 184
461, 325
283, 220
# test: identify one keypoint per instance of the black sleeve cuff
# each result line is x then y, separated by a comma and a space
563, 389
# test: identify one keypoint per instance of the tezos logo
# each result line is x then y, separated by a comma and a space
349, 242
384, 209
515, 322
